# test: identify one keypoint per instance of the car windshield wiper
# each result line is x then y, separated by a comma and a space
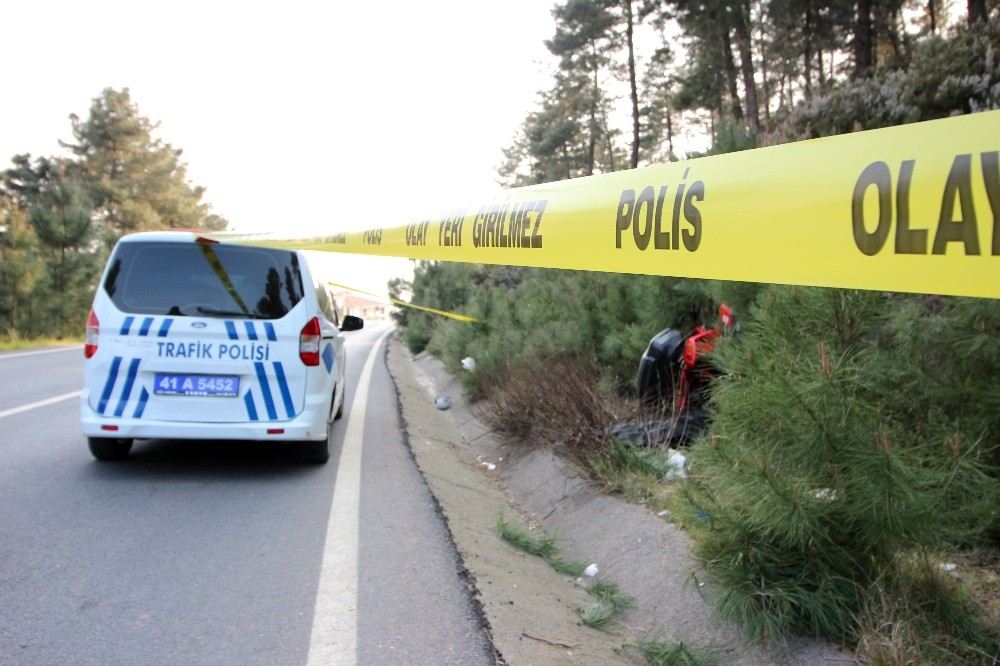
213, 312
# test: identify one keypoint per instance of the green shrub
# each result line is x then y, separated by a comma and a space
835, 450
657, 652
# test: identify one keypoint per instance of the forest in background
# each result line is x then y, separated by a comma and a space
746, 73
853, 450
60, 216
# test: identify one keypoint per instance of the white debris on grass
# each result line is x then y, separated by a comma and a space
469, 363
677, 463
826, 494
588, 578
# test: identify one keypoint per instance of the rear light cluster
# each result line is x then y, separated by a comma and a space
309, 342
90, 337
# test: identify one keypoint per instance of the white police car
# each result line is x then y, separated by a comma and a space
190, 338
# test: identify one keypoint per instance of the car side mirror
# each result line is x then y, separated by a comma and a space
352, 323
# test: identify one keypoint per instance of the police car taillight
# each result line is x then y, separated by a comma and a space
90, 337
309, 342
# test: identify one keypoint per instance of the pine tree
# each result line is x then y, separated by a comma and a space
25, 181
19, 268
558, 140
584, 40
657, 114
70, 254
136, 181
827, 461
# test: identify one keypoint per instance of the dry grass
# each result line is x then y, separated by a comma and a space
979, 570
919, 614
560, 401
555, 400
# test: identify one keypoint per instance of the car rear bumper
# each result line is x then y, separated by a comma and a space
310, 425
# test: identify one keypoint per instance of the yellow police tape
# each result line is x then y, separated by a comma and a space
914, 208
395, 301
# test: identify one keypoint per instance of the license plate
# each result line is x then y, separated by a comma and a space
215, 386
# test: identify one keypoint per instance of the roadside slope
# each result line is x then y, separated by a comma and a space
531, 609
646, 556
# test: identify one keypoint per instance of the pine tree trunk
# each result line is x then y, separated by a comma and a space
892, 30
932, 15
608, 140
592, 145
632, 85
976, 11
727, 58
767, 83
807, 36
863, 39
746, 66
670, 134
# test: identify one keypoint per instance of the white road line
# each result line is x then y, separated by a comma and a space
334, 638
39, 352
41, 403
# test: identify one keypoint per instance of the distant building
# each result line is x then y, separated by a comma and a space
360, 306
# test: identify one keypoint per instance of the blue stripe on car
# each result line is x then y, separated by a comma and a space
265, 388
286, 395
133, 369
165, 327
147, 323
328, 357
269, 328
126, 325
109, 385
251, 408
141, 407
251, 331
231, 330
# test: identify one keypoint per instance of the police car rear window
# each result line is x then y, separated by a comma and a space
204, 280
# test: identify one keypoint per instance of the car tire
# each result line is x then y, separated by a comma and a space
104, 448
315, 453
340, 410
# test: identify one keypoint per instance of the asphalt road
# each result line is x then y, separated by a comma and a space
221, 552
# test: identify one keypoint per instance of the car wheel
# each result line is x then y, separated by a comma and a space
104, 448
315, 453
340, 410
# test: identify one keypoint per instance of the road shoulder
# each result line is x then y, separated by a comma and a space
530, 609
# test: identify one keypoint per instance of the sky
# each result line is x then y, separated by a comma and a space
299, 117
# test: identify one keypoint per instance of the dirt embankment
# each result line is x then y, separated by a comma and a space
532, 611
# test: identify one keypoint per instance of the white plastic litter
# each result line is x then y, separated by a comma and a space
825, 494
442, 402
677, 463
488, 465
588, 578
663, 514
469, 363
949, 567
